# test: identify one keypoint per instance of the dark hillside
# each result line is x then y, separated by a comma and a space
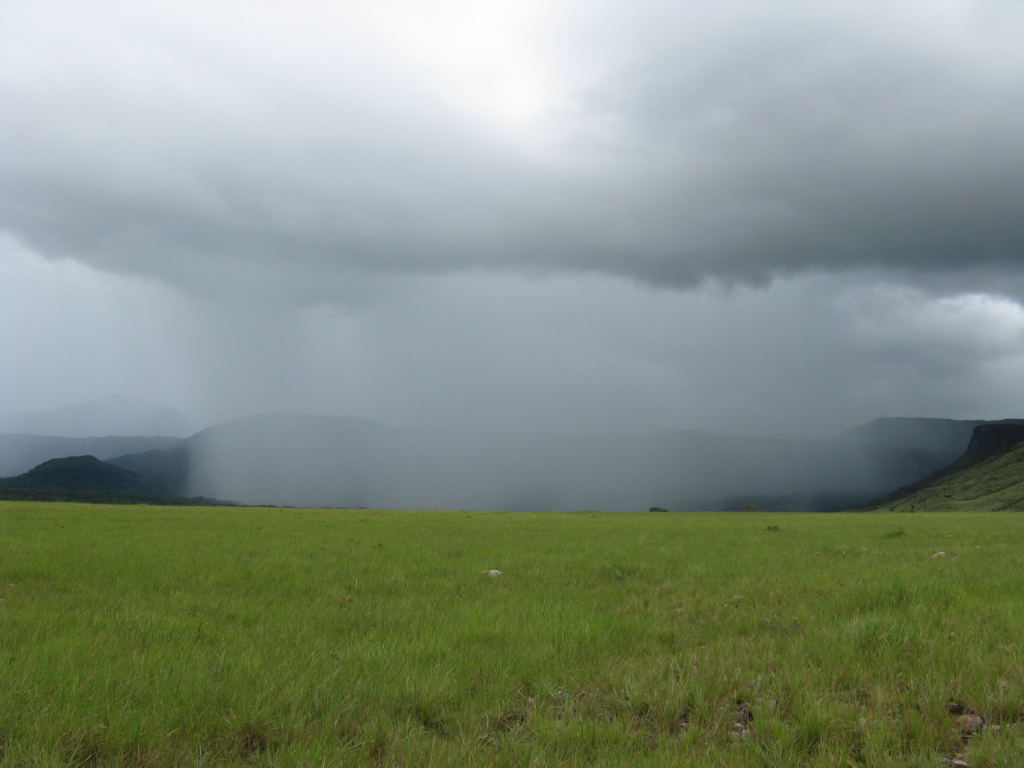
20, 452
169, 463
994, 438
86, 478
988, 476
79, 473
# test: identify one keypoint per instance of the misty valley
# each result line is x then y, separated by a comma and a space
328, 461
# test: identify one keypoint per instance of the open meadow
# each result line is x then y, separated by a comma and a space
187, 636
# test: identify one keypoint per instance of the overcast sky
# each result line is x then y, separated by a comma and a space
783, 218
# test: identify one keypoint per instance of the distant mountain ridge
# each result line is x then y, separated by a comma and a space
103, 417
310, 460
86, 478
20, 453
945, 435
80, 472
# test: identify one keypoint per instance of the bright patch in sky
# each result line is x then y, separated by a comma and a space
483, 57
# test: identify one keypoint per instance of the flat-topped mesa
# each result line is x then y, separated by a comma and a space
993, 439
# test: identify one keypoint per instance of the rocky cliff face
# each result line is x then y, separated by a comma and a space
993, 439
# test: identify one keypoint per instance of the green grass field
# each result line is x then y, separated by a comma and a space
158, 636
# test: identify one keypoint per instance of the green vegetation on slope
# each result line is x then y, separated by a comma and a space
173, 636
86, 478
993, 484
86, 473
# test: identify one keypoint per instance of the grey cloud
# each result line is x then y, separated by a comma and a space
807, 356
829, 143
775, 219
683, 143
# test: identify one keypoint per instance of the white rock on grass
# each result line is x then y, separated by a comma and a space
492, 572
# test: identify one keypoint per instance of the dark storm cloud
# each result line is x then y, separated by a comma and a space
811, 355
780, 218
674, 143
805, 136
